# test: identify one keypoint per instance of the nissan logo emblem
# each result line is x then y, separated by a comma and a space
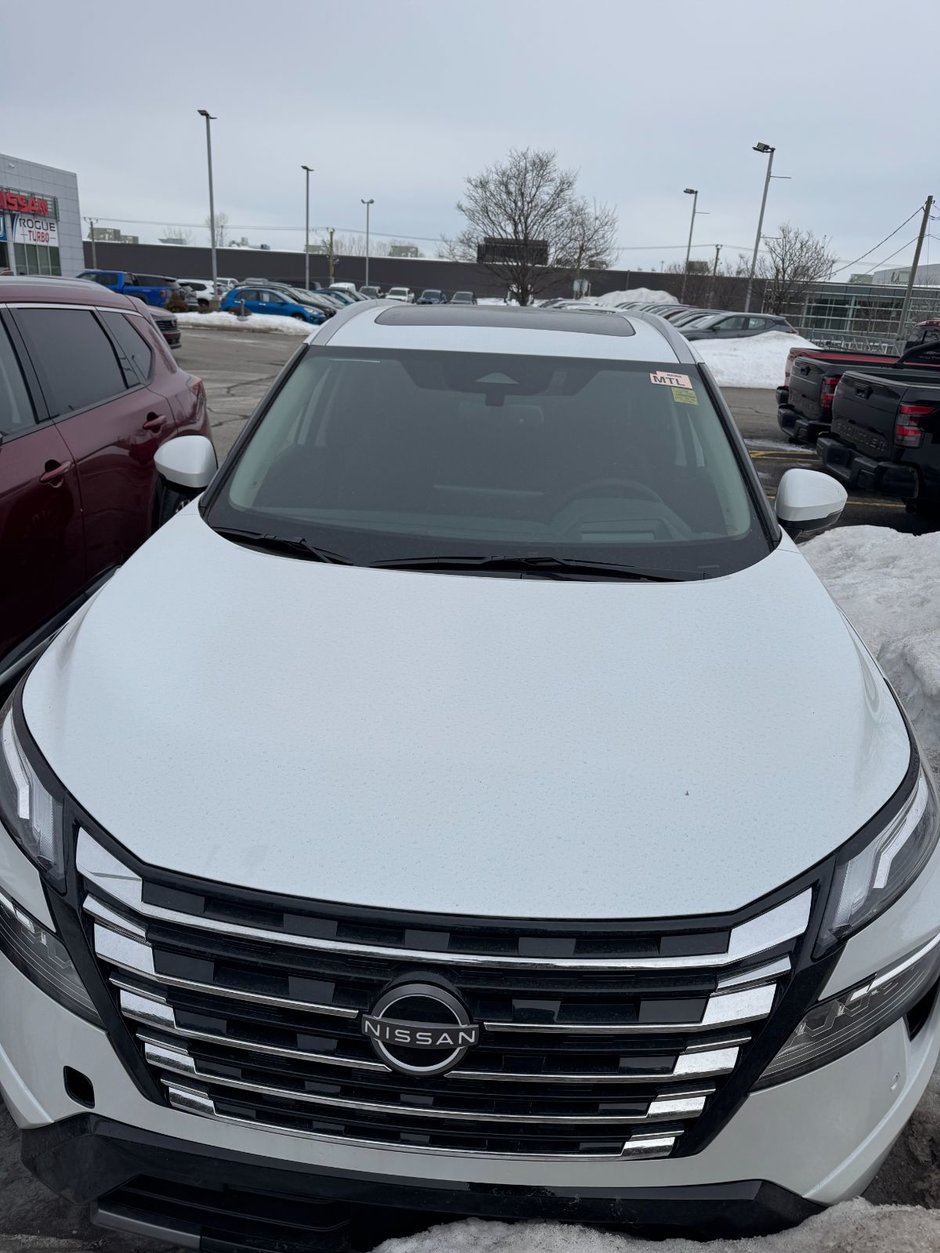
420, 1029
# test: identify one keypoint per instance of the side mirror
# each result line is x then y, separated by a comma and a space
808, 502
187, 462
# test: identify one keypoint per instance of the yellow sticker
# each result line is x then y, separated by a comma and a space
684, 396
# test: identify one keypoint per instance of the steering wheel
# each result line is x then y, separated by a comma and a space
602, 487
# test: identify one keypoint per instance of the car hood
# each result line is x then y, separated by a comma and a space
467, 744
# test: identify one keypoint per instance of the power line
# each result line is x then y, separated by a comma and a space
880, 242
891, 257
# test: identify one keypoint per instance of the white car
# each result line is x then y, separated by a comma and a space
464, 834
202, 289
404, 295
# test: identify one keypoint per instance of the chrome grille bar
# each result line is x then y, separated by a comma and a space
702, 1065
758, 935
637, 1147
720, 1010
178, 1061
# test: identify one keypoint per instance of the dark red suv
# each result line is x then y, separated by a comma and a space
88, 392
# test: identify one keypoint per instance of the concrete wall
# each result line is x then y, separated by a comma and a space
47, 181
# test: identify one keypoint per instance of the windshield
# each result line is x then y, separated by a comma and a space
385, 455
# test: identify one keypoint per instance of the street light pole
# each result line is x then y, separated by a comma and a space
307, 171
693, 192
368, 204
763, 148
215, 269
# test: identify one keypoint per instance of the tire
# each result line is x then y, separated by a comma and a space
298, 317
926, 504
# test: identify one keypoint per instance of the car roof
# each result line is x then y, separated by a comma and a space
494, 329
69, 291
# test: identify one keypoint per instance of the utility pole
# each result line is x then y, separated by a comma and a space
92, 222
212, 240
308, 171
693, 192
769, 151
331, 256
908, 295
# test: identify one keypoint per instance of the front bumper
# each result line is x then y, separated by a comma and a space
141, 1182
866, 474
820, 1138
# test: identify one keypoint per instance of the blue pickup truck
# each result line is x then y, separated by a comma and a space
155, 289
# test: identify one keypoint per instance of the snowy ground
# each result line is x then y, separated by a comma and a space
888, 584
253, 322
756, 361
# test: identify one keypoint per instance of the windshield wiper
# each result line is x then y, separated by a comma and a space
546, 567
296, 545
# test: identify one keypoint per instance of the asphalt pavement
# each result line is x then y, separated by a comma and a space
238, 368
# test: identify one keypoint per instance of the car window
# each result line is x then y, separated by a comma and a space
105, 279
736, 323
132, 343
758, 324
75, 360
16, 410
398, 454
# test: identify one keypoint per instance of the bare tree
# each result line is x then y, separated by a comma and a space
221, 225
793, 261
528, 208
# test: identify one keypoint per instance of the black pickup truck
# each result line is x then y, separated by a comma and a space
885, 436
805, 410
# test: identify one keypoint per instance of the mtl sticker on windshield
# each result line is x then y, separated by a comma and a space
670, 380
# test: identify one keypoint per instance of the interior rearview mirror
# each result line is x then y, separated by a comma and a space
187, 462
808, 502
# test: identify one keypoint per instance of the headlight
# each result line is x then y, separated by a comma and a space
842, 1023
866, 883
42, 958
29, 811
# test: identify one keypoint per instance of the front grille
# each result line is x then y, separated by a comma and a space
595, 1039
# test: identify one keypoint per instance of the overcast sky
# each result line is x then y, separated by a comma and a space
400, 99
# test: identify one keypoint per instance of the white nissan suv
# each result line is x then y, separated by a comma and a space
431, 816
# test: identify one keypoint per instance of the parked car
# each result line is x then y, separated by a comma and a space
371, 292
342, 295
924, 332
432, 296
531, 559
402, 294
87, 396
155, 289
691, 316
885, 432
350, 287
203, 289
272, 301
463, 298
165, 322
736, 326
806, 411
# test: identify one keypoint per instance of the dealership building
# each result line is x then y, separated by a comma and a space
40, 222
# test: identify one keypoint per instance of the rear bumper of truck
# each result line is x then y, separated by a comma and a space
866, 474
796, 427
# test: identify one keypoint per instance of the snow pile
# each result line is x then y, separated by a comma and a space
253, 322
754, 361
855, 1227
888, 585
641, 295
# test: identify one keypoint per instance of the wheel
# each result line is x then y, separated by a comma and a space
298, 317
